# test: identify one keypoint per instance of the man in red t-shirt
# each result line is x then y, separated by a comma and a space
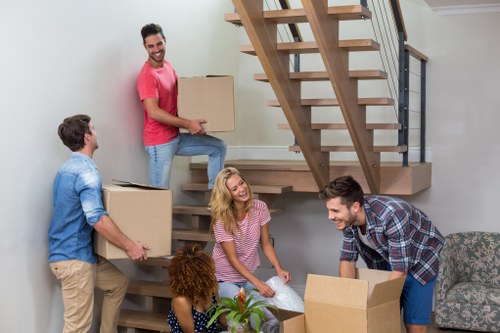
157, 87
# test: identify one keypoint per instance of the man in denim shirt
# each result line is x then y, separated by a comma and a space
78, 210
389, 234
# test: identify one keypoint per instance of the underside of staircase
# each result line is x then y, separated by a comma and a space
318, 168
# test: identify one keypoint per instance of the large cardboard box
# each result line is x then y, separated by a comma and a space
290, 321
367, 304
210, 98
143, 213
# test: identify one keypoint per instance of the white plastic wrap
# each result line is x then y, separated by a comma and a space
285, 297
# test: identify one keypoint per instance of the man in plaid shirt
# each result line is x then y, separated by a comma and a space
389, 234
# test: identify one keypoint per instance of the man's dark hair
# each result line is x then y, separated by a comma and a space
72, 131
346, 188
151, 29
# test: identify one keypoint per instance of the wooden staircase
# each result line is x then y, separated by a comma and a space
158, 296
261, 28
270, 178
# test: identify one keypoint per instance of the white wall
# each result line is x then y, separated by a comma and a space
62, 57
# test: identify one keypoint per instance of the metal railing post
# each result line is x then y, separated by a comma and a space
423, 79
404, 96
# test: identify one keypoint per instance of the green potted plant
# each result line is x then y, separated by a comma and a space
239, 310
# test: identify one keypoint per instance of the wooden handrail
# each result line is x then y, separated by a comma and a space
416, 53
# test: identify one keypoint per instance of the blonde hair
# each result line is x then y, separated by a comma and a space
222, 204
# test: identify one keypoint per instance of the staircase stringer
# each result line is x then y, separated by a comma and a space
263, 36
326, 33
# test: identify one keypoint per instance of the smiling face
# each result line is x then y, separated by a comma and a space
238, 189
155, 46
342, 216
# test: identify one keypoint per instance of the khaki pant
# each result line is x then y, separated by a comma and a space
78, 280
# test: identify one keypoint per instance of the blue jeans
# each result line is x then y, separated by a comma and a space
185, 144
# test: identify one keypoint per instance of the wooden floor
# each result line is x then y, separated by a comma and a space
432, 329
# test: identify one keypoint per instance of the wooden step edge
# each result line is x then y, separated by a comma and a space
343, 13
153, 321
376, 149
370, 101
268, 189
353, 45
203, 210
341, 126
193, 235
159, 262
368, 74
149, 288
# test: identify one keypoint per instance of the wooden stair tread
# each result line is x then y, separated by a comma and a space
193, 235
368, 74
377, 149
149, 288
159, 262
342, 126
344, 13
268, 189
371, 101
312, 47
145, 320
395, 178
203, 210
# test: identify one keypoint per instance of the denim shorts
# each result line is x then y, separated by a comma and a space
416, 301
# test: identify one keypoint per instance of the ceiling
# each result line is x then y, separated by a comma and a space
458, 7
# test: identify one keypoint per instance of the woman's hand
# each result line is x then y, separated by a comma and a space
264, 289
284, 276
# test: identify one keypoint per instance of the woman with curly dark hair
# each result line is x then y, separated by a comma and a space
194, 288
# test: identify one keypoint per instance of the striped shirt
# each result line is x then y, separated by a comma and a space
403, 236
246, 241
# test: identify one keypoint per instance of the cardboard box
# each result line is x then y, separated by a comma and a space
367, 304
210, 98
290, 321
143, 213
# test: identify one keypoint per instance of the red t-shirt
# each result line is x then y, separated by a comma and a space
160, 83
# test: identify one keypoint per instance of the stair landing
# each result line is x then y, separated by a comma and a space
395, 179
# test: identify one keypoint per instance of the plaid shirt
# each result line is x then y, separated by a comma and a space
402, 235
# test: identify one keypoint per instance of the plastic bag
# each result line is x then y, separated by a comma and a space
285, 297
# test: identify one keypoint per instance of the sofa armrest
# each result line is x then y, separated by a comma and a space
448, 273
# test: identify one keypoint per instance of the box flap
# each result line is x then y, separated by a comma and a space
282, 314
380, 289
334, 290
295, 324
384, 292
124, 183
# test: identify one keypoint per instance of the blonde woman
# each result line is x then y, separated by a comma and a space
240, 224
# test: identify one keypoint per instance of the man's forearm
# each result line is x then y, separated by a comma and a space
347, 269
110, 231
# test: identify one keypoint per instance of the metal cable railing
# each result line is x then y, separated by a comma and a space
390, 32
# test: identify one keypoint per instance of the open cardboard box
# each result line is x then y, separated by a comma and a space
143, 213
210, 98
290, 321
367, 304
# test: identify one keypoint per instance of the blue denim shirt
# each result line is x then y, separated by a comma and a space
77, 208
